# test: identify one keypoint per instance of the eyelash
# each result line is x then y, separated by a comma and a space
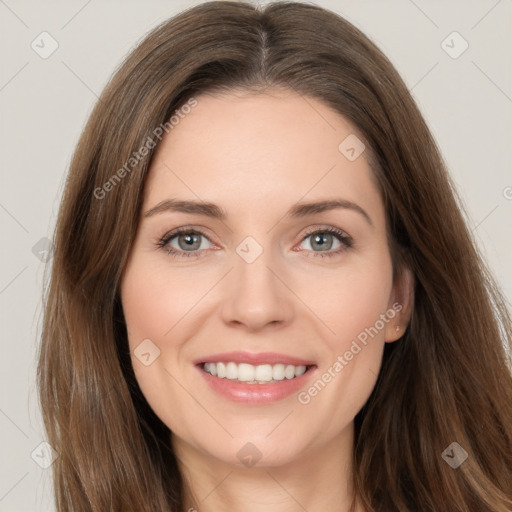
345, 240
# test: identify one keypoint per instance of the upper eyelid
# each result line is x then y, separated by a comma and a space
185, 229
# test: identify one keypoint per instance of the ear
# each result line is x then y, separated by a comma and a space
401, 301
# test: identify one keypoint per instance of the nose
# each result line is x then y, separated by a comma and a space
256, 294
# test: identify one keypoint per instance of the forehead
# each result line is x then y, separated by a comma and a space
260, 149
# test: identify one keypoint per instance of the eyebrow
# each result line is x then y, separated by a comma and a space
216, 212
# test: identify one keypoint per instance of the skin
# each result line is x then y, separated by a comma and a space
256, 155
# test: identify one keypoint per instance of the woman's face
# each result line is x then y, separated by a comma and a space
267, 291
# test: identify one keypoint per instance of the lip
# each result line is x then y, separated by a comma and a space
255, 394
254, 359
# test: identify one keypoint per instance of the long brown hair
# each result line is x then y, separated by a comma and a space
447, 380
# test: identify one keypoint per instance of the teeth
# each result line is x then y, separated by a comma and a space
221, 369
231, 371
245, 372
263, 372
251, 374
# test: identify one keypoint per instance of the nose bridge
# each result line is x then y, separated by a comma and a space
255, 296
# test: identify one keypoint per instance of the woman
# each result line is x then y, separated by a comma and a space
263, 294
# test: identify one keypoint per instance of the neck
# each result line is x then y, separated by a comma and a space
319, 479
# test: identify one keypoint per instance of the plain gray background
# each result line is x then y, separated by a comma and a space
467, 102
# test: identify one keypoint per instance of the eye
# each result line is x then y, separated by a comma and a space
188, 242
324, 239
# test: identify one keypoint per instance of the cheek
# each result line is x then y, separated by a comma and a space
152, 308
354, 299
355, 309
154, 304
145, 298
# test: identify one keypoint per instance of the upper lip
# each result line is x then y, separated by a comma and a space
254, 358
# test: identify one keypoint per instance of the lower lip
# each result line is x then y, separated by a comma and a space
256, 394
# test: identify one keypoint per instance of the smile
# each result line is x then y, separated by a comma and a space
255, 379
